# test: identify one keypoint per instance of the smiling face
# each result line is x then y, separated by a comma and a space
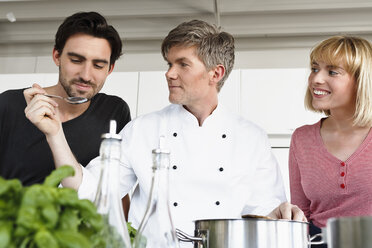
83, 65
189, 82
332, 88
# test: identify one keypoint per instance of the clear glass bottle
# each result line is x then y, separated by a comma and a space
156, 229
108, 198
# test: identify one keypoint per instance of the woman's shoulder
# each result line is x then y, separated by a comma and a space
308, 128
306, 132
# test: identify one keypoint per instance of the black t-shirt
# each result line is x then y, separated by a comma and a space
24, 151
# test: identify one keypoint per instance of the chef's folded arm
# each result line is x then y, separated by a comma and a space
269, 169
268, 193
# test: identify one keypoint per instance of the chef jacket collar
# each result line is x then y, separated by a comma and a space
188, 117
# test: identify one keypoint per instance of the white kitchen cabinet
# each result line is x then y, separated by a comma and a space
49, 79
152, 92
16, 65
17, 81
124, 85
229, 95
274, 99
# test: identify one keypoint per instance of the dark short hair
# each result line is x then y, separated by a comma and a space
213, 46
90, 23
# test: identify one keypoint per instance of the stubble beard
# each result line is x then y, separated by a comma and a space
70, 92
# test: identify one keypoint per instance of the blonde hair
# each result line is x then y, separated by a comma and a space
355, 55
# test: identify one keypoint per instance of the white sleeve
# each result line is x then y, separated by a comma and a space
91, 174
89, 183
127, 176
268, 187
92, 171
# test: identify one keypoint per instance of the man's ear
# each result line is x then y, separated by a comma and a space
111, 68
217, 74
56, 57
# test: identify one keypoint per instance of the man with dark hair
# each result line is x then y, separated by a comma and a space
222, 165
86, 48
93, 24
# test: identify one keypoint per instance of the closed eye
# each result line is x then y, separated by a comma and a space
98, 66
76, 61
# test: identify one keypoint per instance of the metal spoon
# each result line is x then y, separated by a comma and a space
70, 99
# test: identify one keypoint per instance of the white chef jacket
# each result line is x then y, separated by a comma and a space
222, 169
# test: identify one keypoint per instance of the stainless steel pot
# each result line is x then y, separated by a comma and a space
248, 233
348, 232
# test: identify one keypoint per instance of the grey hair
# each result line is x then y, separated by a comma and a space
214, 47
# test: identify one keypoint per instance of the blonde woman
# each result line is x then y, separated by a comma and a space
330, 162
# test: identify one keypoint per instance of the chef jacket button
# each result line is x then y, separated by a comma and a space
342, 174
342, 164
175, 134
175, 204
174, 167
342, 186
217, 203
221, 169
223, 136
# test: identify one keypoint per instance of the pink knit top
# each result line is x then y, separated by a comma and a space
324, 186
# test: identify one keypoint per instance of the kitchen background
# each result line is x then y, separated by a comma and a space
273, 40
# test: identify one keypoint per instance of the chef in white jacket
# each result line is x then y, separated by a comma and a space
221, 164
